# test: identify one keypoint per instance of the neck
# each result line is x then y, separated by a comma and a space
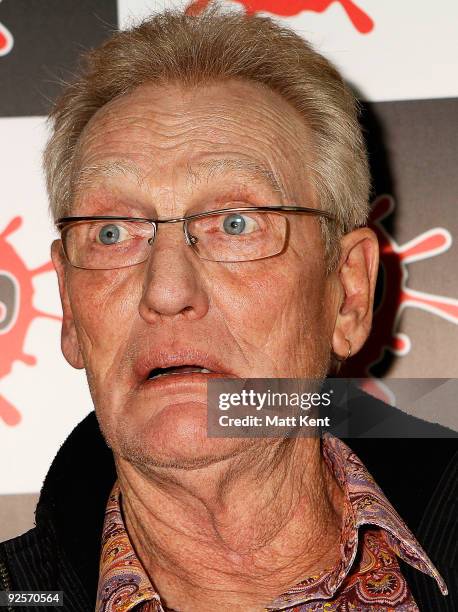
237, 533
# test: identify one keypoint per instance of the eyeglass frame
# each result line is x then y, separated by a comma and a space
64, 222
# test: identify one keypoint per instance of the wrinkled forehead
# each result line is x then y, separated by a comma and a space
161, 132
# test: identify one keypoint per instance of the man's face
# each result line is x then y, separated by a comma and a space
165, 151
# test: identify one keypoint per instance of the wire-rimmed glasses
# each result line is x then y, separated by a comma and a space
228, 235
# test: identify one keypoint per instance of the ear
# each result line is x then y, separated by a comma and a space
357, 273
69, 340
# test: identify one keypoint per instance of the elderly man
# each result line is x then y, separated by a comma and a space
210, 184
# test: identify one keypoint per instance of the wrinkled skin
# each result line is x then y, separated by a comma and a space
277, 317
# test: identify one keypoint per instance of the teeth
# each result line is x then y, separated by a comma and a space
179, 370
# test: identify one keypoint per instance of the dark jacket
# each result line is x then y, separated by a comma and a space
418, 475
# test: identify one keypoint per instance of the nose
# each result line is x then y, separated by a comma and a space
173, 284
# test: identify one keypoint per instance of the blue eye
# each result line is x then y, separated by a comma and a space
109, 234
234, 224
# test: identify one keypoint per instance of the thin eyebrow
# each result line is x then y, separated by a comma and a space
88, 175
211, 168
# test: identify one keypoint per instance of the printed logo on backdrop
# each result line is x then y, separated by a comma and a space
6, 40
38, 50
289, 8
16, 312
395, 296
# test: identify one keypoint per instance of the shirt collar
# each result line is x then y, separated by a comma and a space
364, 504
124, 583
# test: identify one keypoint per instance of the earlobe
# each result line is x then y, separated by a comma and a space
357, 273
69, 340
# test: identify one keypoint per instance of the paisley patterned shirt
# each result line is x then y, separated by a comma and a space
366, 578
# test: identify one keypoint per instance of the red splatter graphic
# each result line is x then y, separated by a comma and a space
6, 40
396, 295
16, 312
288, 8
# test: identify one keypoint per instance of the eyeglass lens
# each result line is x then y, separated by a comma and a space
225, 237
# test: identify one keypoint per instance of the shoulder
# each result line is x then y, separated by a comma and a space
412, 460
62, 551
24, 559
34, 561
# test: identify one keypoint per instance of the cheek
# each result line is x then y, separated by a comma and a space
104, 306
258, 300
246, 292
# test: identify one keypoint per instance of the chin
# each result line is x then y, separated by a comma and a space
174, 437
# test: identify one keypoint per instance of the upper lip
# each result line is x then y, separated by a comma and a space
168, 359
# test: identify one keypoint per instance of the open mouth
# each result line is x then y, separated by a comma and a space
182, 369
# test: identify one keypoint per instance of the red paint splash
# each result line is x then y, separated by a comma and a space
288, 8
396, 295
18, 308
6, 40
